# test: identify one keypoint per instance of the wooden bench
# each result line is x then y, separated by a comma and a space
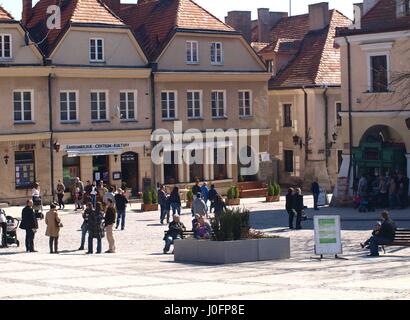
401, 239
185, 233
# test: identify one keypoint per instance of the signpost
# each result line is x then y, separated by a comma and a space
328, 240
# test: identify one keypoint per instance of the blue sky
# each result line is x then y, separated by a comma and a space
220, 8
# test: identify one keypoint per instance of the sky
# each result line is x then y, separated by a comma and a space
220, 8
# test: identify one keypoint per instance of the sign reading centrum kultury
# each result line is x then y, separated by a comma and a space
327, 235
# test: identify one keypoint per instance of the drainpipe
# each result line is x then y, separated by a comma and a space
349, 66
306, 125
50, 112
326, 100
154, 68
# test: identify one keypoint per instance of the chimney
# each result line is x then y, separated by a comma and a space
114, 5
241, 21
357, 14
27, 10
318, 16
263, 25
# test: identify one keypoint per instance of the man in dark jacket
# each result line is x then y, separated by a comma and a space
298, 205
212, 197
30, 224
315, 191
289, 207
121, 203
175, 231
196, 188
384, 236
162, 201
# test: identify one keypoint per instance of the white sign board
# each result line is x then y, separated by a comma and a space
322, 200
328, 238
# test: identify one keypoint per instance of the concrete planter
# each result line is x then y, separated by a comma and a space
225, 252
149, 207
233, 202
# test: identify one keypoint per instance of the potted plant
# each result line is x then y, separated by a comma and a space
233, 196
233, 241
273, 192
150, 200
189, 198
277, 192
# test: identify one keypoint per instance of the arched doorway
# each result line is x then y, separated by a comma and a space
130, 171
381, 152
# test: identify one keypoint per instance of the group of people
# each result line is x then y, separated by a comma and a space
104, 209
374, 191
294, 207
204, 202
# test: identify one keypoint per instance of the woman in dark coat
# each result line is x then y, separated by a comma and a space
175, 200
95, 228
289, 206
298, 206
220, 206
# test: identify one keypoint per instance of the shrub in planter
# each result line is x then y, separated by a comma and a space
150, 200
233, 225
189, 198
273, 192
233, 196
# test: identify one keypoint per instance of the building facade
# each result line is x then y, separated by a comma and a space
375, 112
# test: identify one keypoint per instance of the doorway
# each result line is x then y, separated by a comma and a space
130, 172
101, 171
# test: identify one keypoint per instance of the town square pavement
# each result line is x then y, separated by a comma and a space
139, 270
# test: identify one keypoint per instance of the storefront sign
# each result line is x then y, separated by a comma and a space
99, 149
327, 235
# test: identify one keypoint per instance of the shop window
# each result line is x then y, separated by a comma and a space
71, 170
24, 170
221, 166
196, 170
171, 169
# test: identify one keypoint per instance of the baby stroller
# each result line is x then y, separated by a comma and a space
12, 226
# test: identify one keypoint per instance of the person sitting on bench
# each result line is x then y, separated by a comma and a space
383, 235
175, 231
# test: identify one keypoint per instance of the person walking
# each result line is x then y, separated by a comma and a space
121, 203
93, 193
289, 206
96, 228
220, 207
60, 194
196, 188
84, 226
199, 206
162, 201
101, 191
298, 206
54, 224
205, 194
30, 224
315, 189
109, 195
78, 194
3, 226
110, 214
212, 197
37, 202
175, 200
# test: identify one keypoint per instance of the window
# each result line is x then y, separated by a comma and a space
98, 106
24, 169
218, 104
339, 160
379, 77
403, 8
168, 104
194, 101
22, 101
288, 161
128, 105
287, 115
5, 46
68, 106
221, 166
216, 53
269, 65
338, 116
192, 52
245, 103
96, 50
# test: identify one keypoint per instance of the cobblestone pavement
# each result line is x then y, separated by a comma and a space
139, 270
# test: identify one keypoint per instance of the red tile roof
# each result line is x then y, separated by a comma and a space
381, 18
72, 11
155, 21
4, 15
317, 61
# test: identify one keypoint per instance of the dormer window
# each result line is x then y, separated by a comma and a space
96, 50
192, 52
5, 46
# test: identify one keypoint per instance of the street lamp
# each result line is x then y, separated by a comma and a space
6, 159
